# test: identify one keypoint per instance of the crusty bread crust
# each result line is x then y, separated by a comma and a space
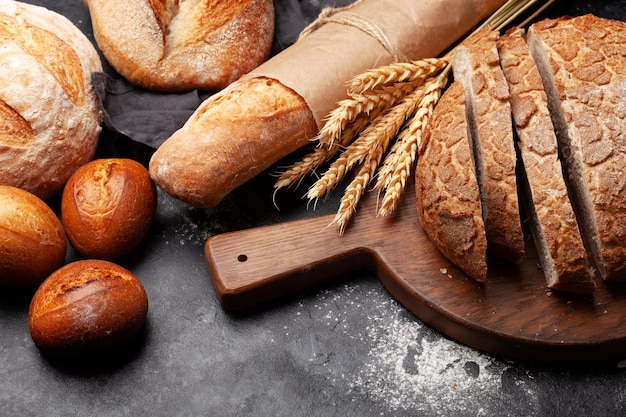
448, 198
173, 45
232, 137
476, 64
582, 66
49, 110
554, 227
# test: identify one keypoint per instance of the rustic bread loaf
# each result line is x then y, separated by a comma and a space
581, 61
86, 306
48, 107
554, 226
476, 64
448, 197
172, 45
231, 138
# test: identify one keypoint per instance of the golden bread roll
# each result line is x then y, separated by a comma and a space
32, 239
49, 110
86, 306
172, 45
107, 207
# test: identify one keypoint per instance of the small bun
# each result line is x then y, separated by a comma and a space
86, 306
32, 239
107, 207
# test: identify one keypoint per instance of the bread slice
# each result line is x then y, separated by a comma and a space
581, 61
448, 198
554, 227
476, 64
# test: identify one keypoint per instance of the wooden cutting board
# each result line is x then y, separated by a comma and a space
512, 315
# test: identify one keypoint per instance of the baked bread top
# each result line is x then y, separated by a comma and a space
173, 45
50, 112
448, 200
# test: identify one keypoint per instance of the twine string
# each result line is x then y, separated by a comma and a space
340, 15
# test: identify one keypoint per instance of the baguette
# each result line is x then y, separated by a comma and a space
172, 45
554, 226
448, 197
49, 109
232, 137
581, 61
476, 64
282, 105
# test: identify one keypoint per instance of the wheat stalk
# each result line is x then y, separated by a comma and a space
410, 141
365, 102
395, 73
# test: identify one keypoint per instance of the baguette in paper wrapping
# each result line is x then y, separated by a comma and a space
276, 109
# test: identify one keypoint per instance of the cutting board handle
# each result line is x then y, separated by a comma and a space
253, 266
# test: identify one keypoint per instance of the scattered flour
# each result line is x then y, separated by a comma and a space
409, 368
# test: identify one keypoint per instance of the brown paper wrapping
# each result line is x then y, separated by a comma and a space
319, 65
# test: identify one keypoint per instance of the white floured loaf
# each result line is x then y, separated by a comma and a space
173, 45
50, 112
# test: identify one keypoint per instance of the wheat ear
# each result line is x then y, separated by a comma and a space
410, 140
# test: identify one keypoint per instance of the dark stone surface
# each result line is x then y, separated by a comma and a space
346, 348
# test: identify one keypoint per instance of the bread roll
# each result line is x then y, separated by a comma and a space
476, 64
48, 107
86, 306
554, 226
448, 197
107, 207
172, 45
581, 61
32, 239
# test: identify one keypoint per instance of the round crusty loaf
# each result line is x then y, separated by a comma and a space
448, 197
86, 306
173, 46
107, 207
32, 239
49, 110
